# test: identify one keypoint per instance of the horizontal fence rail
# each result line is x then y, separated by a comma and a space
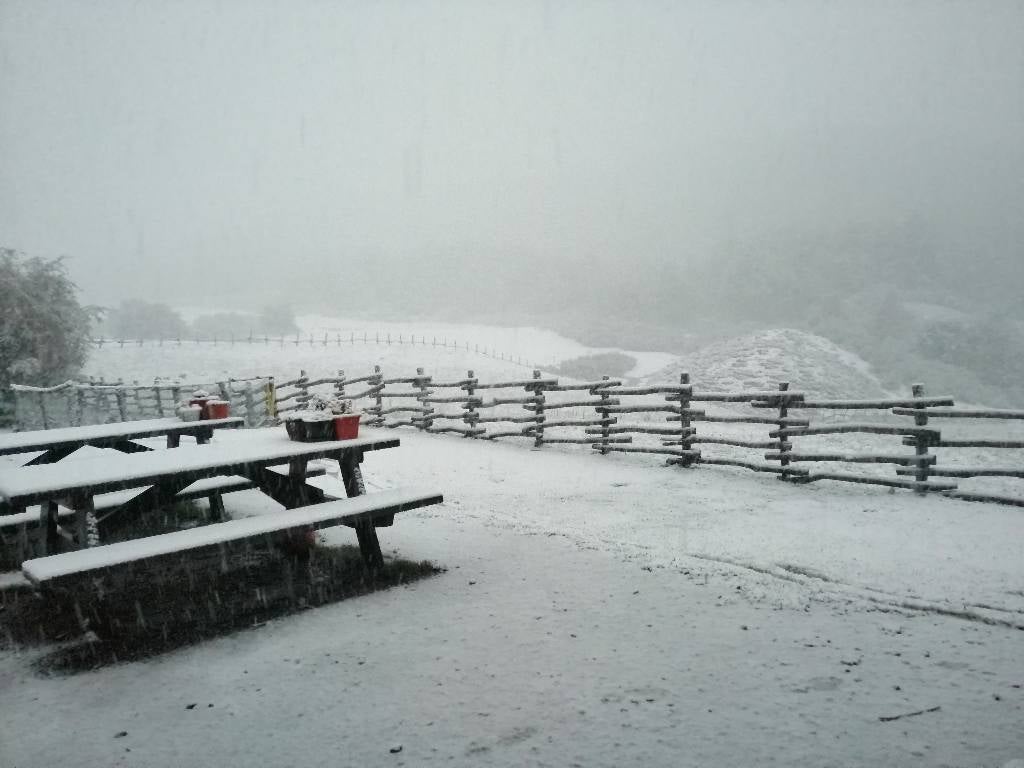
922, 443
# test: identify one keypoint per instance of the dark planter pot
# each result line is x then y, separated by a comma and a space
318, 430
295, 430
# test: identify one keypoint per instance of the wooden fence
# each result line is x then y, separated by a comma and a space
98, 402
776, 431
327, 340
921, 443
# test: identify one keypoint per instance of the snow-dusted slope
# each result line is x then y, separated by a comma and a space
762, 359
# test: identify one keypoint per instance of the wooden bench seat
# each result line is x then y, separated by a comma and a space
98, 569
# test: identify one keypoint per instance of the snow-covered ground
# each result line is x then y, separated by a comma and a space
445, 350
595, 612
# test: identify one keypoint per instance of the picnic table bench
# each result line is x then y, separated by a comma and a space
56, 444
20, 537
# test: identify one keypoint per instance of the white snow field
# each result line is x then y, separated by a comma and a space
447, 358
595, 611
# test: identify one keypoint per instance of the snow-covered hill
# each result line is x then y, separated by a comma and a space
761, 360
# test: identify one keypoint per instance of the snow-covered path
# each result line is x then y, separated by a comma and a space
575, 627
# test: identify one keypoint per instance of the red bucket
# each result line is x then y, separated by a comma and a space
216, 409
346, 427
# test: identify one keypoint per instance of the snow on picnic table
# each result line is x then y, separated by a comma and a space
116, 469
41, 438
597, 611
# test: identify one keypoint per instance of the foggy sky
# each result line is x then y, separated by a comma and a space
155, 141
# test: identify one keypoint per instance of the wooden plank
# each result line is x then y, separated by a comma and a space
960, 413
644, 409
770, 399
611, 402
678, 452
657, 389
736, 442
774, 420
881, 405
754, 466
857, 458
644, 430
838, 429
586, 386
979, 443
573, 422
970, 471
509, 419
596, 441
519, 384
883, 481
989, 497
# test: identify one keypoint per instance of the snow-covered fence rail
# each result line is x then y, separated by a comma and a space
768, 431
97, 402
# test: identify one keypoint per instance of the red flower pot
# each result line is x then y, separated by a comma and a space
346, 427
216, 409
202, 403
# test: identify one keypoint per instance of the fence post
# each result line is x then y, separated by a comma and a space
122, 405
159, 402
426, 422
538, 410
339, 385
270, 398
302, 399
920, 442
250, 406
378, 382
42, 410
784, 446
685, 425
602, 414
470, 416
80, 397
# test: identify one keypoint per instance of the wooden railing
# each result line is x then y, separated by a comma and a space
99, 402
917, 443
775, 431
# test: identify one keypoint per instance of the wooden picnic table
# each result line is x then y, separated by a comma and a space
166, 473
56, 444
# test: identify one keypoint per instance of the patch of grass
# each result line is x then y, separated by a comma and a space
176, 517
593, 367
153, 618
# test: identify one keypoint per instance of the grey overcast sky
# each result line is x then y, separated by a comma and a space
154, 141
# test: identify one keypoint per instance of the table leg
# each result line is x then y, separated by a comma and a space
366, 532
173, 440
86, 534
289, 490
48, 536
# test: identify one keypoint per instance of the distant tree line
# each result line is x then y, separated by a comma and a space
137, 319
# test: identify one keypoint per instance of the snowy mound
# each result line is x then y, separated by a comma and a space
760, 360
